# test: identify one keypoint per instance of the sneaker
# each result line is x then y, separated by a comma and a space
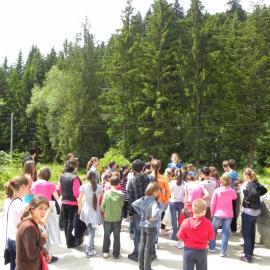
53, 259
153, 257
105, 255
244, 259
212, 250
116, 256
179, 245
91, 253
223, 254
133, 257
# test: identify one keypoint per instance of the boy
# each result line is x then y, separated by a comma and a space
195, 232
111, 206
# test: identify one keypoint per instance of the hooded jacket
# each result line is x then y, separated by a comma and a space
196, 232
148, 208
112, 204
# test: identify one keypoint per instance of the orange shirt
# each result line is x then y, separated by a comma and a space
165, 191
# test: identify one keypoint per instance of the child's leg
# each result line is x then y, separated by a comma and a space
201, 259
91, 236
189, 259
216, 223
225, 235
141, 249
107, 234
116, 228
150, 234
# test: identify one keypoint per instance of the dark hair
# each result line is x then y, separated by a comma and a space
71, 165
232, 164
111, 163
28, 168
179, 178
214, 172
36, 202
155, 164
151, 189
115, 180
32, 151
205, 171
91, 177
44, 173
14, 185
71, 156
137, 165
91, 162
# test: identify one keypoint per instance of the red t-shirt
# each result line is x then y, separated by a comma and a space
196, 232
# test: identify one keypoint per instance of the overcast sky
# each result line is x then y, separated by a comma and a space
47, 23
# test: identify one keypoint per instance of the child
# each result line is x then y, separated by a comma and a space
148, 208
89, 211
196, 232
112, 204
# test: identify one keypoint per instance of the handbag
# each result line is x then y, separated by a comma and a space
6, 252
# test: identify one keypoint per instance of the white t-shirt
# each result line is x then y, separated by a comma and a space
178, 192
15, 212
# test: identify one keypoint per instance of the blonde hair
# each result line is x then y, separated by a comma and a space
151, 189
177, 157
249, 172
199, 206
226, 179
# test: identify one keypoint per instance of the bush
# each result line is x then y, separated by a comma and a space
113, 154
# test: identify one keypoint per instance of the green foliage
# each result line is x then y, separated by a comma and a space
113, 155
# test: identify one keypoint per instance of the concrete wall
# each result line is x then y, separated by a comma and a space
263, 223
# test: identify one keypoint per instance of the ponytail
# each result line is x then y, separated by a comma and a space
155, 163
91, 177
14, 185
179, 180
249, 172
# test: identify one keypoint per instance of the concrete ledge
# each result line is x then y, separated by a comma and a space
263, 223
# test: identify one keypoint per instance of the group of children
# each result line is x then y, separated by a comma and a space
199, 203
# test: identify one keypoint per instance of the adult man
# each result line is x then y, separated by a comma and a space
32, 155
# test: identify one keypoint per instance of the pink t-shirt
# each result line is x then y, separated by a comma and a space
44, 188
194, 191
221, 204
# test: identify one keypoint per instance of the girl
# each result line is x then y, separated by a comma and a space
215, 175
69, 188
43, 187
92, 166
29, 240
89, 211
148, 208
14, 208
222, 213
175, 162
164, 192
251, 209
176, 201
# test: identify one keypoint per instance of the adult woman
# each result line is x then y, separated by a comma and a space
14, 208
251, 209
222, 212
175, 162
29, 240
43, 187
69, 188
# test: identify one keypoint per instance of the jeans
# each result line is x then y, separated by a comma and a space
91, 236
192, 257
11, 245
115, 228
146, 247
162, 208
226, 223
137, 233
248, 232
69, 212
175, 209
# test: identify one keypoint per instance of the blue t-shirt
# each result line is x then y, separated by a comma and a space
176, 166
234, 176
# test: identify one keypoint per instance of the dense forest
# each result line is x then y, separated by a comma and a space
173, 81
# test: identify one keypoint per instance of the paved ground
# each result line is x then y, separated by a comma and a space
169, 257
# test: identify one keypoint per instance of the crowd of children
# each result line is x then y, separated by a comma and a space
198, 202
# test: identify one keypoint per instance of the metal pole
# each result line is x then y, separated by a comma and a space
11, 136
